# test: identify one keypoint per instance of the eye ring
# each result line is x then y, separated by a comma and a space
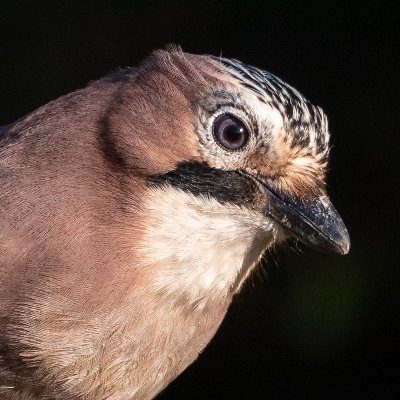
230, 132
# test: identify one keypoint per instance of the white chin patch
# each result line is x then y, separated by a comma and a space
199, 247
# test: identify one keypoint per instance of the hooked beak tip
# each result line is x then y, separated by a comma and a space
343, 245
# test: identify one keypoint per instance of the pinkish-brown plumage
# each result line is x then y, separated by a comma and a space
117, 263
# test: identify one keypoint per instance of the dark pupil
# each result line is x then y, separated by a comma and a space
230, 132
233, 134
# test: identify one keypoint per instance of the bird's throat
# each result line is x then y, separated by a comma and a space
200, 248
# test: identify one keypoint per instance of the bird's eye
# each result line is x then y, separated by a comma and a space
230, 132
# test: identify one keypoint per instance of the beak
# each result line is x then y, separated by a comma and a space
314, 221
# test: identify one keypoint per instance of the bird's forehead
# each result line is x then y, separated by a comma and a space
304, 124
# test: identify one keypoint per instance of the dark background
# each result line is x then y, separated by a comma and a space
313, 326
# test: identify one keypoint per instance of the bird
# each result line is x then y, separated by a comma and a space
133, 210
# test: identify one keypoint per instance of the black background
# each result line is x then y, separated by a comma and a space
313, 326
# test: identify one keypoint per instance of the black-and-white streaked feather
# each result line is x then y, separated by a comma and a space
305, 122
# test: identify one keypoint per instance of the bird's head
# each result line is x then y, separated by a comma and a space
232, 137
